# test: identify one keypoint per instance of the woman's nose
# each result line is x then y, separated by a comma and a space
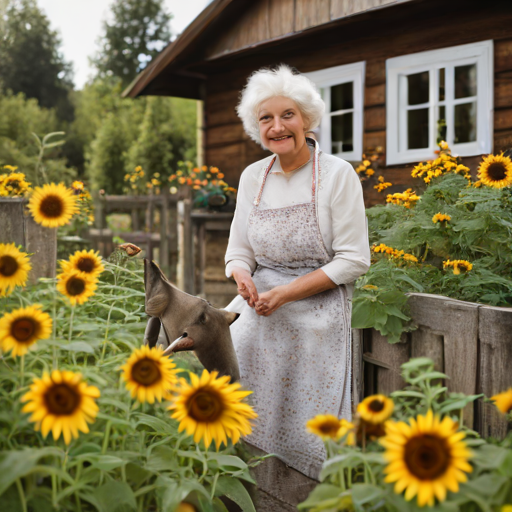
277, 126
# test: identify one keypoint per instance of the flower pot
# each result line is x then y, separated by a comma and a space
18, 226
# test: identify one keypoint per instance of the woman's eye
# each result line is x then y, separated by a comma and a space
288, 114
264, 118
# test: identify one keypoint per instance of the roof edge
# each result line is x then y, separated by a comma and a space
171, 51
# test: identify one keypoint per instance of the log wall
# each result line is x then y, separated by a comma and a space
229, 148
469, 342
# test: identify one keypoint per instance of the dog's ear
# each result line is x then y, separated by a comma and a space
157, 287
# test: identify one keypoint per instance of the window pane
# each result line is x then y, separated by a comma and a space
342, 133
342, 97
418, 88
465, 81
441, 125
465, 122
417, 128
441, 84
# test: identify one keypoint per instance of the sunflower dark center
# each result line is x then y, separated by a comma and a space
52, 206
62, 399
8, 266
75, 286
205, 405
146, 372
23, 329
85, 265
427, 457
329, 428
497, 171
376, 405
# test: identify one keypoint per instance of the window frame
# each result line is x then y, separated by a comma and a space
398, 68
337, 75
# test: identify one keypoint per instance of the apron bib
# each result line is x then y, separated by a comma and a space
297, 361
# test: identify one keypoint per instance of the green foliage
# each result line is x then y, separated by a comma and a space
31, 61
352, 478
480, 231
20, 119
151, 132
166, 136
133, 458
138, 32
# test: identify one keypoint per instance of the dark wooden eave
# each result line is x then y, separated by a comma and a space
181, 69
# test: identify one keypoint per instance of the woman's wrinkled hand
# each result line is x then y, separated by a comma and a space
271, 301
245, 284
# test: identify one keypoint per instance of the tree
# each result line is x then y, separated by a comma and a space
30, 59
139, 31
167, 135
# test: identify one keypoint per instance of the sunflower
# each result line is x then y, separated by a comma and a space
61, 403
14, 268
458, 266
210, 408
376, 409
496, 171
52, 205
426, 457
503, 401
185, 507
23, 327
75, 287
149, 374
441, 217
86, 263
325, 426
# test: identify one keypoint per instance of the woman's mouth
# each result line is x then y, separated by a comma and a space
278, 139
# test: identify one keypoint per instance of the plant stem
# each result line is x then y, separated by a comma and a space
21, 492
214, 484
22, 370
71, 331
54, 326
116, 273
106, 438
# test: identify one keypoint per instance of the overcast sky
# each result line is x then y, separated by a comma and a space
79, 23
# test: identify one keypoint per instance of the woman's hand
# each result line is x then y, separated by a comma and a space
271, 301
245, 284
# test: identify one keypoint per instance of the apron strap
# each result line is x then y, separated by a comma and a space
314, 177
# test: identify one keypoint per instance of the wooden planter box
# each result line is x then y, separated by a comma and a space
18, 226
470, 342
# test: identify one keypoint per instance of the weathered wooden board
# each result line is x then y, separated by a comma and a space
374, 119
310, 13
388, 359
280, 17
502, 55
19, 227
503, 89
495, 365
225, 134
503, 119
220, 107
342, 8
457, 322
280, 488
375, 95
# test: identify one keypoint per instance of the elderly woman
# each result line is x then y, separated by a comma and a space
297, 242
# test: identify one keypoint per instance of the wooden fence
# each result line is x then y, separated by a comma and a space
470, 342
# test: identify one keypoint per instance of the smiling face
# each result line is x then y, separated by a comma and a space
282, 127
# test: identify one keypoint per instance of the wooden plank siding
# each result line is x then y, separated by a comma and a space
224, 129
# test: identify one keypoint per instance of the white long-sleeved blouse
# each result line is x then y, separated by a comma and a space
341, 213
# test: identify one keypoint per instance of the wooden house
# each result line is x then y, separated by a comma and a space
395, 74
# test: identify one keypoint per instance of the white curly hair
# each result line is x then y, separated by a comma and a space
281, 81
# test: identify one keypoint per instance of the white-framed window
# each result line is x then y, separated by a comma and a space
342, 89
440, 94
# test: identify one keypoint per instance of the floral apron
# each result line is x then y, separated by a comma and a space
297, 361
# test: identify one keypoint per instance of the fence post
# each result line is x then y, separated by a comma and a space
185, 273
20, 228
